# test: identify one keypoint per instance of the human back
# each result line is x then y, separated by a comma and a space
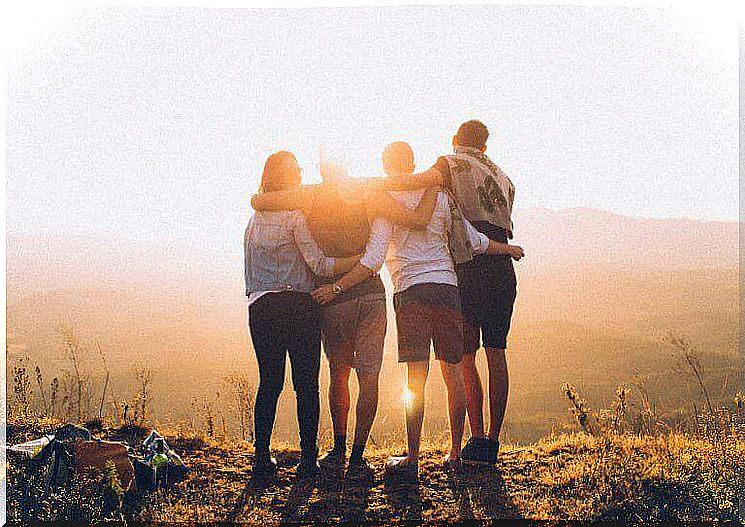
340, 226
279, 256
485, 194
421, 255
273, 259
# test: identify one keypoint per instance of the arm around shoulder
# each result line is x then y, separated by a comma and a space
431, 177
381, 204
291, 199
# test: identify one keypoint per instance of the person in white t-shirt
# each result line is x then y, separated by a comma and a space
427, 305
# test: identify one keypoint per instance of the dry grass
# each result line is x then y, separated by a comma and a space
573, 476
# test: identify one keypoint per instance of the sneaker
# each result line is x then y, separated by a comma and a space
333, 458
307, 468
264, 466
359, 468
493, 452
400, 465
478, 451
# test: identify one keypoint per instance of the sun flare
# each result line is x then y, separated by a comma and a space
407, 397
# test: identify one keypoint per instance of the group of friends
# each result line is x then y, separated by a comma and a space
313, 254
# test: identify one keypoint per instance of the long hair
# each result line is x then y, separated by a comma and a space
281, 171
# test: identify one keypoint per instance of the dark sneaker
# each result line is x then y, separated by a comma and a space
478, 452
359, 468
333, 459
307, 468
265, 466
450, 463
494, 452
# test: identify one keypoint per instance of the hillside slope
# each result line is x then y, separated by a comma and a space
597, 292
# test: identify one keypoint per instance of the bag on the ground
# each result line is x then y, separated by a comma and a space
97, 454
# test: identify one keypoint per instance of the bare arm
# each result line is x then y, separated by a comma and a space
515, 251
383, 205
429, 178
483, 245
300, 198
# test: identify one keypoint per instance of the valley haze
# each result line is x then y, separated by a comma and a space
598, 293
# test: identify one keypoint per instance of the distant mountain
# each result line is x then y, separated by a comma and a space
596, 293
553, 240
46, 263
583, 237
581, 263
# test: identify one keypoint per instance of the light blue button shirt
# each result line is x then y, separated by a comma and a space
281, 254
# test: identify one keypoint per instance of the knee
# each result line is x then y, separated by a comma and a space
496, 359
454, 380
269, 389
368, 384
339, 377
308, 387
469, 362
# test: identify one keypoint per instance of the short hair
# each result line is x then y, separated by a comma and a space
281, 171
472, 133
398, 158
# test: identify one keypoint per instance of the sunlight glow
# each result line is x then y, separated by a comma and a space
407, 397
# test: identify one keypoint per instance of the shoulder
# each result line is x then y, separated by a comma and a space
442, 165
406, 196
280, 217
443, 162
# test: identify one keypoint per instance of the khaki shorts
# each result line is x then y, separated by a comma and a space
354, 333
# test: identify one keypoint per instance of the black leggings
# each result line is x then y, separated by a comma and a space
282, 323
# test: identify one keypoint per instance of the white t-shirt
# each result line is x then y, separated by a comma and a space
421, 256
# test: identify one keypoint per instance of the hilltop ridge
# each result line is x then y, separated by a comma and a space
624, 479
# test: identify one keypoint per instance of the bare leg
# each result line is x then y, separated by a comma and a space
453, 376
367, 406
339, 399
417, 379
498, 390
474, 395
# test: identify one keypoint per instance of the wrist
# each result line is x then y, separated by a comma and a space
337, 288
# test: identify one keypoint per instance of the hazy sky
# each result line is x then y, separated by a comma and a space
148, 123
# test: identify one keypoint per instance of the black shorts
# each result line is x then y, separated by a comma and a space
488, 288
429, 313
